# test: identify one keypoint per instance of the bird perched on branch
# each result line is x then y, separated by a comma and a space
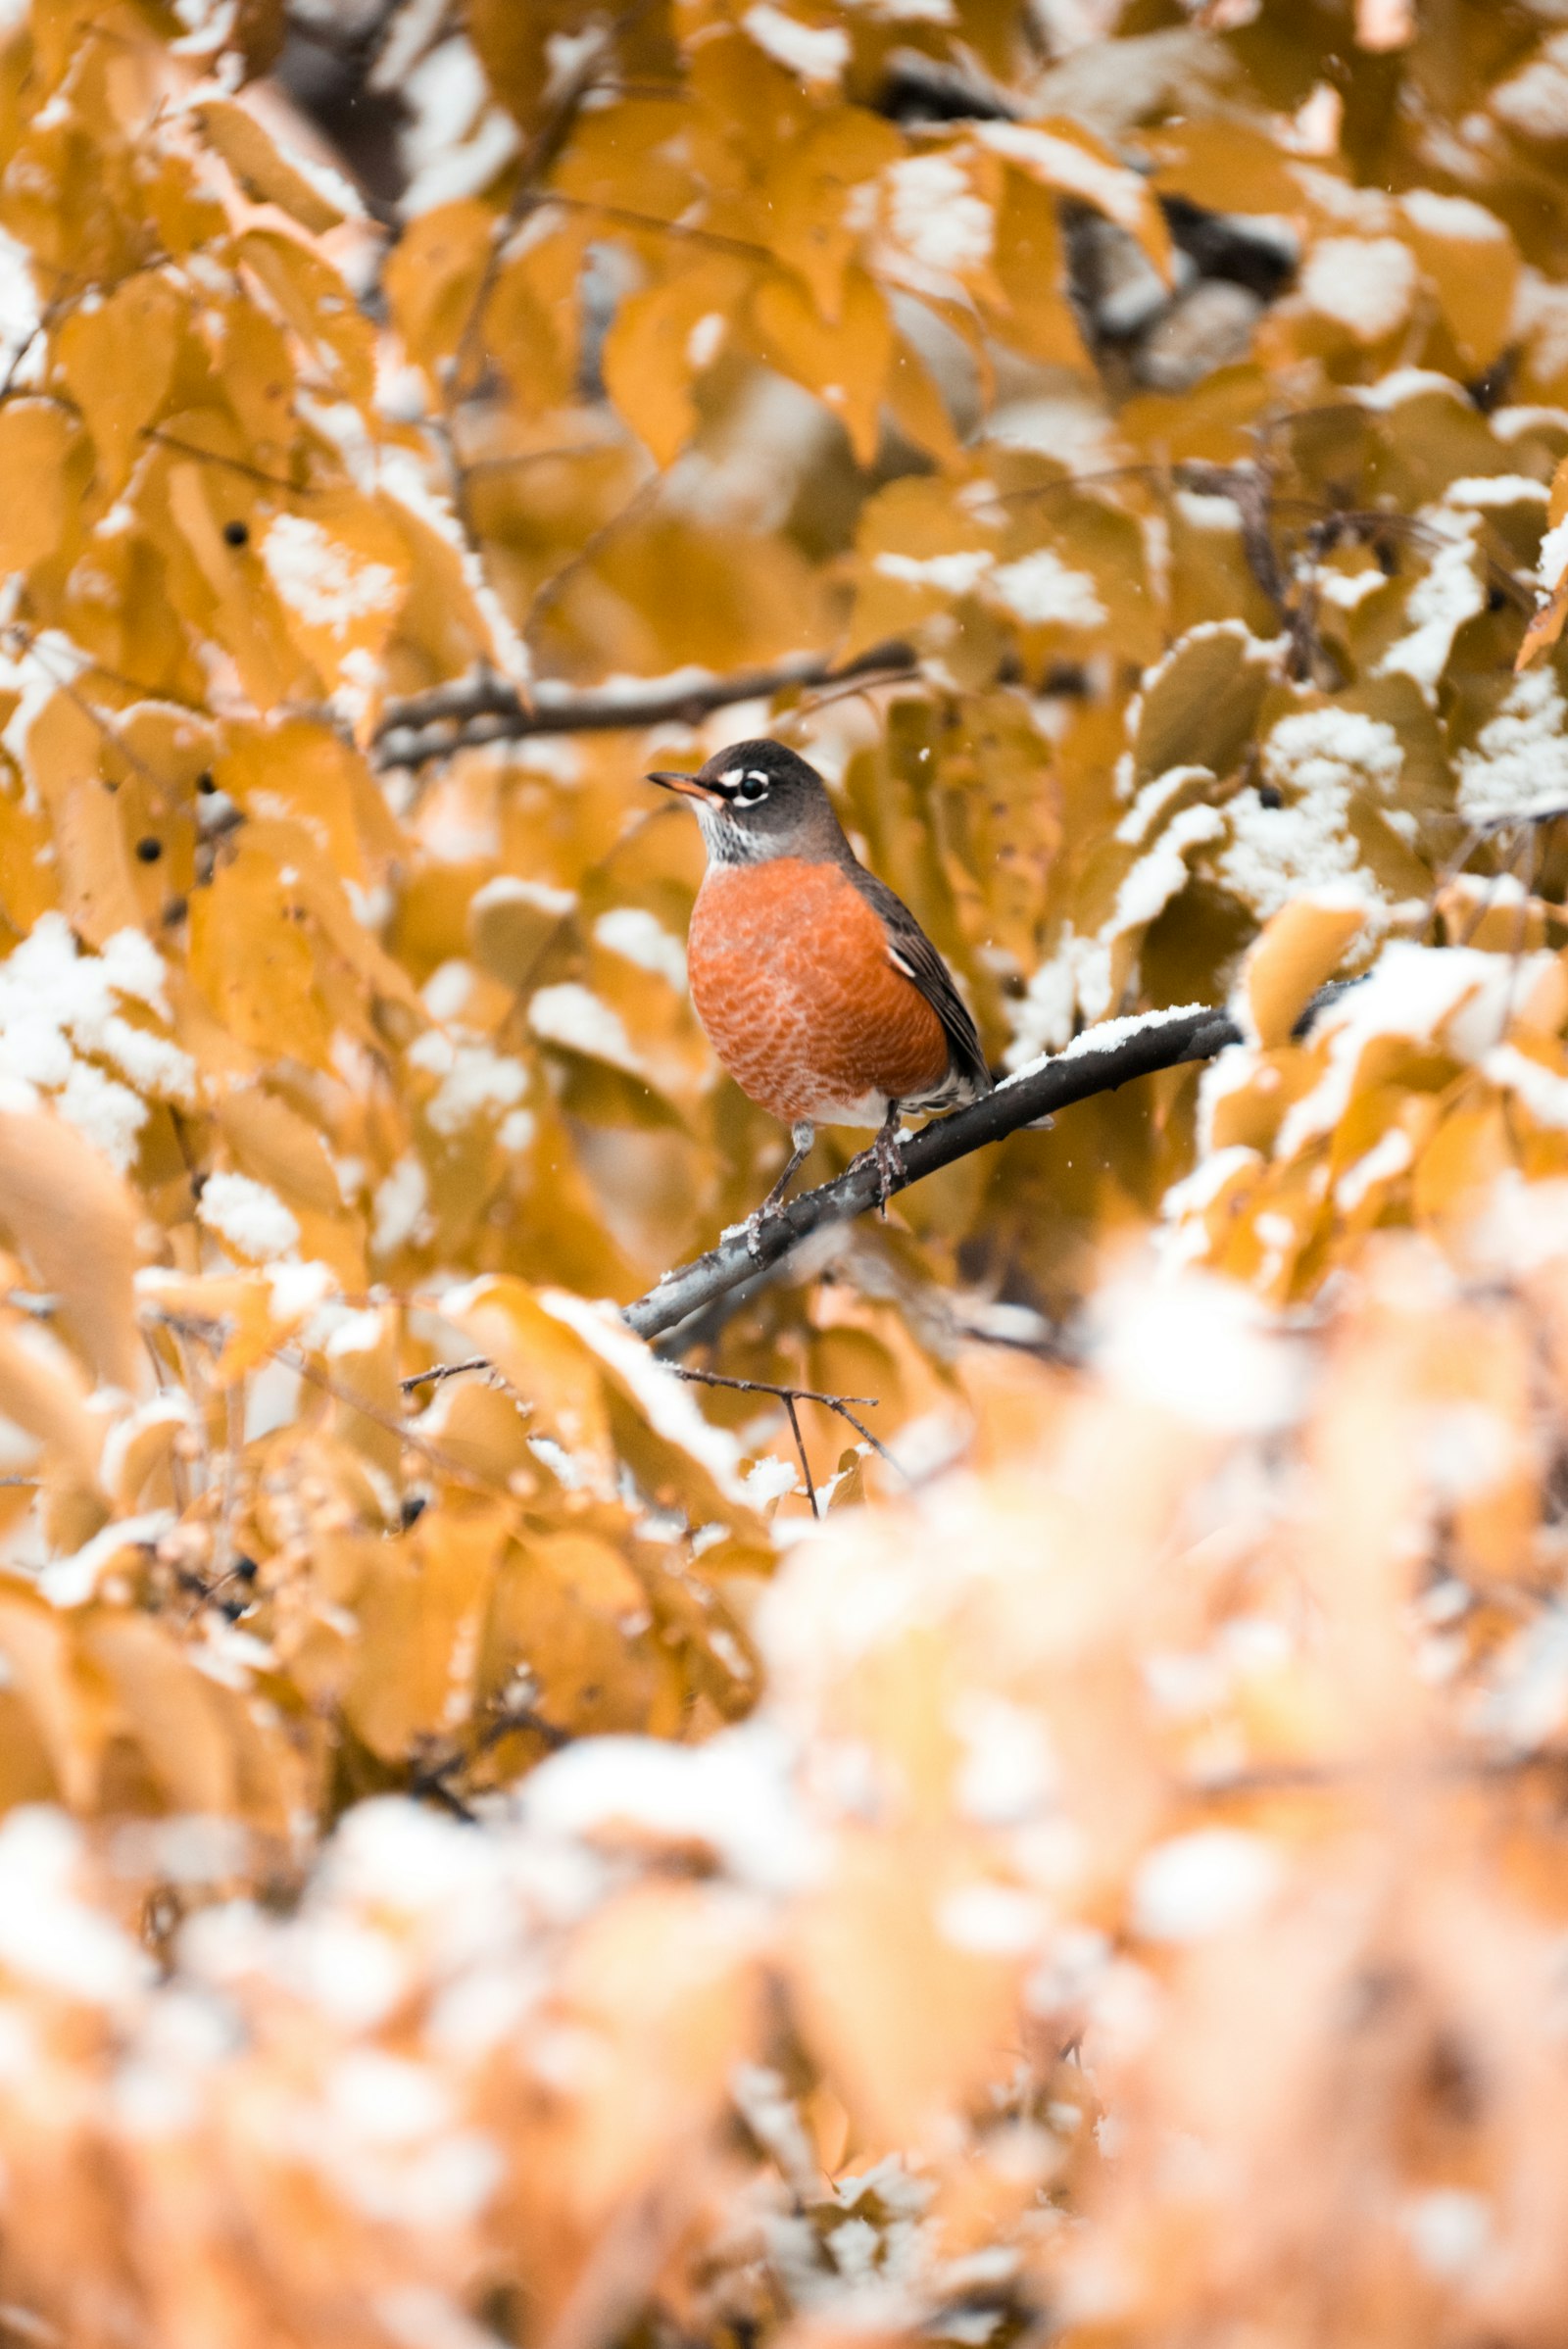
818, 989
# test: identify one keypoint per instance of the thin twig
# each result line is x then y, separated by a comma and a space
790, 1396
445, 1370
800, 1447
232, 464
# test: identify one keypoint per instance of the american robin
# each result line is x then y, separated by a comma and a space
818, 989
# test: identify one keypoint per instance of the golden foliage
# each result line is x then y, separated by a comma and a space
479, 1860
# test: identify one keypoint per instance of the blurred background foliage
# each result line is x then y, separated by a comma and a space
482, 1859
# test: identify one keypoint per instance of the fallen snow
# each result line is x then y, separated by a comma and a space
1450, 592
1317, 759
1201, 1350
247, 1217
639, 937
1519, 767
1456, 996
330, 585
1389, 1157
570, 1016
735, 1793
1039, 587
1452, 216
1070, 169
475, 1081
59, 1005
1203, 1882
934, 214
1365, 284
1552, 559
955, 574
48, 1934
1534, 101
817, 53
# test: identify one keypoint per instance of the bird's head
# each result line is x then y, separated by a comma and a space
757, 799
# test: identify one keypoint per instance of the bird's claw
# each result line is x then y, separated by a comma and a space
890, 1168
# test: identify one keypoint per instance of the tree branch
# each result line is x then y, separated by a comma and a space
485, 708
1126, 1049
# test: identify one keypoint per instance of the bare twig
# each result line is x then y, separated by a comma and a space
540, 153
800, 1447
438, 1371
484, 709
789, 1396
232, 464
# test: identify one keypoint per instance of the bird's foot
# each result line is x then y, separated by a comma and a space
887, 1156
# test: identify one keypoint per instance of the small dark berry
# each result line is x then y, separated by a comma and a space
206, 782
1270, 795
414, 1508
149, 850
244, 1568
236, 534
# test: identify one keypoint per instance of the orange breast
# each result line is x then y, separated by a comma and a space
791, 979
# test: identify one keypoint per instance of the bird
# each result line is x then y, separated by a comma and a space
816, 987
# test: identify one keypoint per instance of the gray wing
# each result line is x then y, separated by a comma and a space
912, 952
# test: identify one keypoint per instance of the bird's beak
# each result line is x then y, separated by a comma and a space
690, 787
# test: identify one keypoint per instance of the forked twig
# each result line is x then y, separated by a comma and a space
789, 1396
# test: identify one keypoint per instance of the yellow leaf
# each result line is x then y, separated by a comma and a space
1298, 950
68, 1708
514, 46
301, 770
97, 885
1069, 158
269, 173
421, 1617
846, 365
43, 1391
339, 568
569, 1608
243, 1316
660, 341
433, 274
119, 360
251, 959
1029, 266
170, 1709
1472, 264
812, 220
542, 1362
74, 1216
36, 439
317, 303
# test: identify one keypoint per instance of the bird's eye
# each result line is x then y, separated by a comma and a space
750, 788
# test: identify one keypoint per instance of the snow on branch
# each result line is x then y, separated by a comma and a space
485, 708
1099, 1061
